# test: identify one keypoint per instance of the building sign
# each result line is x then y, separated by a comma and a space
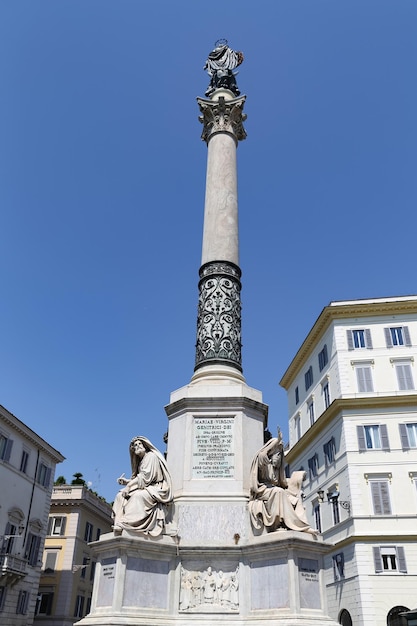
213, 448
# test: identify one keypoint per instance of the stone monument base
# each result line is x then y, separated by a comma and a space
276, 578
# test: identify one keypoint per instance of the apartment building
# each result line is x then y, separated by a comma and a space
353, 428
77, 517
27, 467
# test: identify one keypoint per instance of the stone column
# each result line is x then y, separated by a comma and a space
219, 309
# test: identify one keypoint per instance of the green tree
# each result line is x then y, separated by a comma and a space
78, 479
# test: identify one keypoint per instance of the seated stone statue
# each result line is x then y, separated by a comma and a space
141, 505
276, 502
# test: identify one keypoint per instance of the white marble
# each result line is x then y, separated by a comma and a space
269, 584
308, 573
146, 583
220, 234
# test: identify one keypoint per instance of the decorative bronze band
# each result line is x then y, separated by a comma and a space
219, 315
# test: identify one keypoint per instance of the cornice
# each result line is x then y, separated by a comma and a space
233, 403
336, 311
379, 538
347, 404
14, 422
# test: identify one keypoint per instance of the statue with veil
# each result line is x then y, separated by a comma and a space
220, 65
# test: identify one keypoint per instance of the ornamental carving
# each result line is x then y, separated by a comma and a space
209, 591
219, 315
222, 116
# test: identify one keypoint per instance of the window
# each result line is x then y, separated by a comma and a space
297, 427
373, 437
86, 561
389, 559
50, 562
98, 533
24, 461
93, 569
33, 544
323, 358
2, 597
326, 395
313, 466
404, 376
359, 338
88, 534
79, 606
44, 475
335, 510
22, 603
88, 607
329, 450
394, 617
345, 618
317, 516
297, 395
380, 497
408, 434
8, 538
339, 566
5, 447
364, 378
44, 603
56, 526
310, 409
397, 336
308, 377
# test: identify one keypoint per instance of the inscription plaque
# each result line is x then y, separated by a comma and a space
213, 447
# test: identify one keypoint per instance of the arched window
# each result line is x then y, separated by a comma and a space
345, 618
395, 619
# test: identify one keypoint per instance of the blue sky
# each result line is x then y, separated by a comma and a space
102, 175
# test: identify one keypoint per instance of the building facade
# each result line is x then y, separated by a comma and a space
27, 467
77, 517
353, 428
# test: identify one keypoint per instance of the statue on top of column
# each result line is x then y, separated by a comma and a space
219, 65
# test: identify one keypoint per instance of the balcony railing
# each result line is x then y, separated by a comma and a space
12, 568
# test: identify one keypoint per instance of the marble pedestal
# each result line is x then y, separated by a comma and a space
271, 579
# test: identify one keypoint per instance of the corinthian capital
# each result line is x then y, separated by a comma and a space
222, 116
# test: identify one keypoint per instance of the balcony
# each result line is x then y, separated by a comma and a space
12, 569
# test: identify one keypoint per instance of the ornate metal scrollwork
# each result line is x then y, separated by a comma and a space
219, 315
222, 115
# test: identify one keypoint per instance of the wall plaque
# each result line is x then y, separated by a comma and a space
213, 448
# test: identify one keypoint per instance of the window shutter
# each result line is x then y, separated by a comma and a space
50, 561
409, 383
384, 436
349, 339
360, 373
368, 338
400, 369
404, 437
377, 559
388, 337
376, 497
49, 531
361, 437
385, 501
407, 337
402, 566
63, 524
47, 477
368, 379
7, 450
